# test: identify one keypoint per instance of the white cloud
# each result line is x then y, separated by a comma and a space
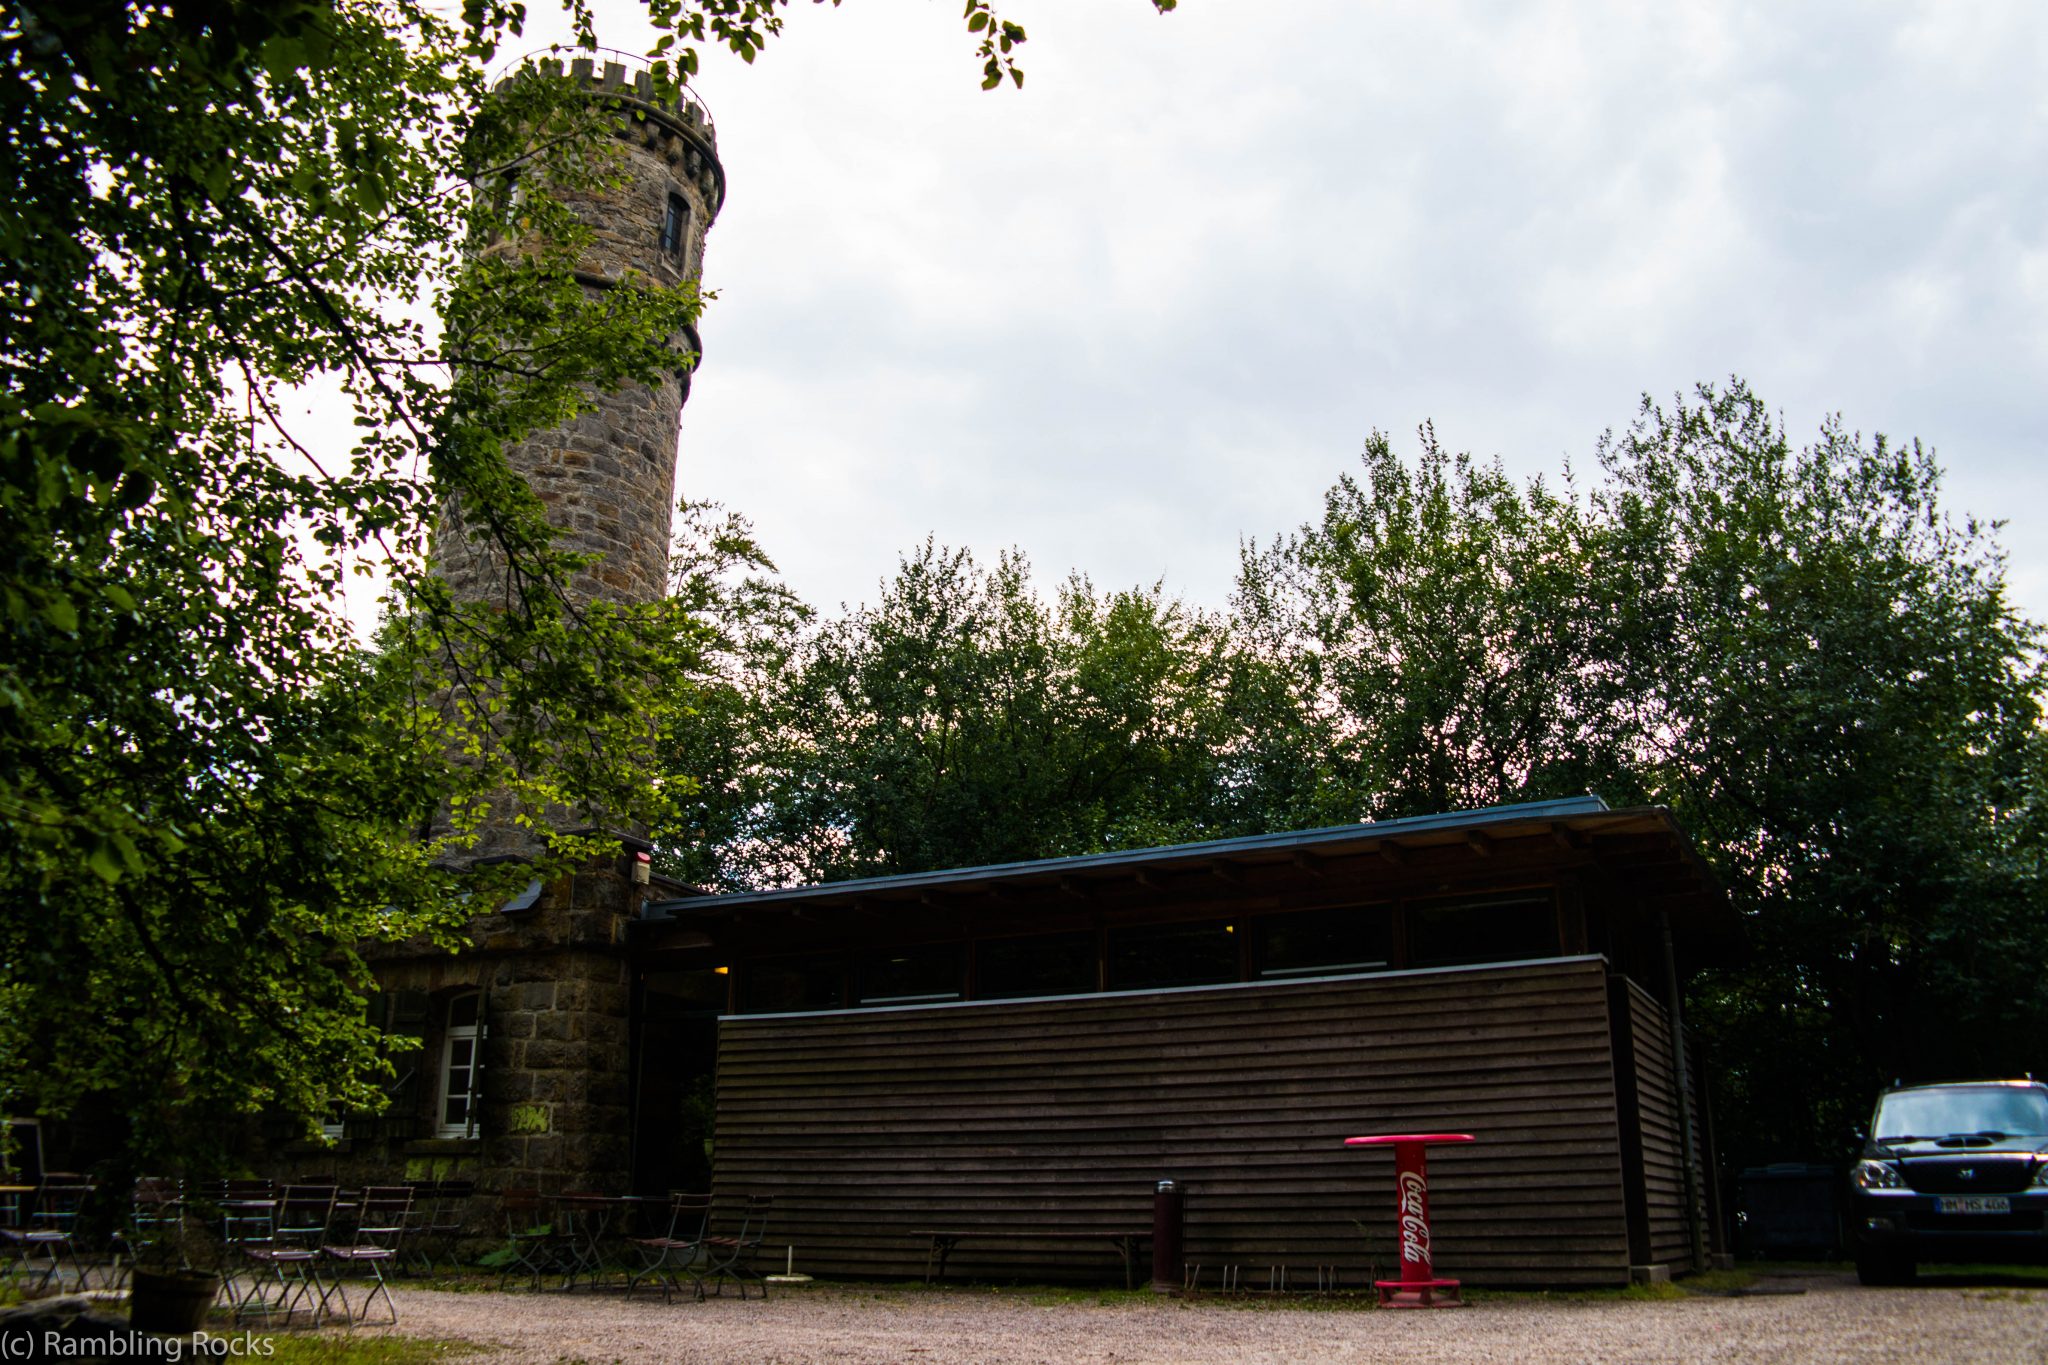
1158, 298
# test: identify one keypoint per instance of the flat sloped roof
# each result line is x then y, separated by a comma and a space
1579, 818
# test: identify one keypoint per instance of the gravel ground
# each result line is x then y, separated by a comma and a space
1834, 1320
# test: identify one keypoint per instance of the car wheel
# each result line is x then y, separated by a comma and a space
1883, 1268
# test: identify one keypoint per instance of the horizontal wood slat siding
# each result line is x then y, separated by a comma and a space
1061, 1114
1663, 1148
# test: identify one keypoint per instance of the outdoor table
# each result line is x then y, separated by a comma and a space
1418, 1286
639, 1207
587, 1219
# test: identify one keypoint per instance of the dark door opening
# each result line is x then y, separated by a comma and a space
676, 1080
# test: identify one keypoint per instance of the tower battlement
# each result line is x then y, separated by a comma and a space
616, 78
681, 132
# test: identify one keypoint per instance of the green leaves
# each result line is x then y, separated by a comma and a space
999, 38
1794, 648
961, 719
210, 792
1433, 628
1834, 693
59, 612
104, 862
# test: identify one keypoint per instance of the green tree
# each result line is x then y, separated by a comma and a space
964, 719
1819, 670
1425, 647
209, 793
1794, 648
723, 744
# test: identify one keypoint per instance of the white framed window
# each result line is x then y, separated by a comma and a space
462, 1066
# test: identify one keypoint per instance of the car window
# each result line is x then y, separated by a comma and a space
2010, 1110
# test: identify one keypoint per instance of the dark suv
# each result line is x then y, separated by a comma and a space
1952, 1172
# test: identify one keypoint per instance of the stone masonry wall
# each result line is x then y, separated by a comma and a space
554, 1102
557, 1090
608, 478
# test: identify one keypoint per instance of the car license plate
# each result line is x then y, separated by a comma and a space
1974, 1203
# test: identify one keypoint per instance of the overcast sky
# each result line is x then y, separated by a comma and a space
1155, 301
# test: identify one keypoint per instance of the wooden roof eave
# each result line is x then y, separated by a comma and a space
1366, 862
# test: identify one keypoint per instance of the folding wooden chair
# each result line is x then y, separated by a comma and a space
439, 1207
677, 1250
381, 1225
246, 1213
533, 1234
732, 1258
156, 1214
49, 1232
291, 1256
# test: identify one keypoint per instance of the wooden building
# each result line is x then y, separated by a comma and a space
1026, 1049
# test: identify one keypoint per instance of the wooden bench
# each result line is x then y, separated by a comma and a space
943, 1240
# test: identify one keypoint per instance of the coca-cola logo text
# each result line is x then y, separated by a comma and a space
1414, 1219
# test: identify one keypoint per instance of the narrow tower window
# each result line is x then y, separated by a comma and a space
674, 227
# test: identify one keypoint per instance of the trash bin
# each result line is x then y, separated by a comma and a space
1789, 1209
1166, 1243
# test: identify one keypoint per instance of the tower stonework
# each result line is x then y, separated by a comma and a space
544, 990
607, 479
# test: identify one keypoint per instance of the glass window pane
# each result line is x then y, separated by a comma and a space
462, 1010
672, 225
683, 994
914, 974
2018, 1111
1496, 929
1351, 938
1151, 956
776, 986
1014, 968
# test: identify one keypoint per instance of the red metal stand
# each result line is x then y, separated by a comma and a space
1418, 1286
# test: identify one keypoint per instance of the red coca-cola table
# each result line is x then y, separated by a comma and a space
1418, 1286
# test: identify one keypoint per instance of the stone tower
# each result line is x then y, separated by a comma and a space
608, 478
542, 997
